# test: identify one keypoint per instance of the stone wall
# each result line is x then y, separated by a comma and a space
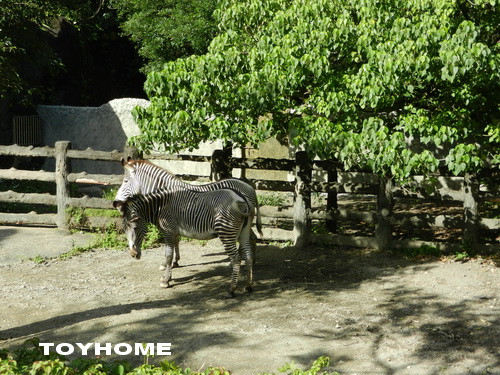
104, 128
107, 128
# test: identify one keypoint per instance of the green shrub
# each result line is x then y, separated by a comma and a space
29, 359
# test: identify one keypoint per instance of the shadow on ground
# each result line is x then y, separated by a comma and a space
369, 311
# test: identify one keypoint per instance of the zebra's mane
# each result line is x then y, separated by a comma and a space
147, 163
126, 208
126, 212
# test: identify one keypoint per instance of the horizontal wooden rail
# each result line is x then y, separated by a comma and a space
90, 154
88, 202
29, 198
29, 151
29, 218
102, 179
358, 183
18, 174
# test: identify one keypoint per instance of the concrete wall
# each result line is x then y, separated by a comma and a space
104, 128
107, 128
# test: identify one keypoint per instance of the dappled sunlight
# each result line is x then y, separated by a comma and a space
369, 311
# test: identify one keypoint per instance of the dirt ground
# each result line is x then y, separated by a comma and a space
370, 312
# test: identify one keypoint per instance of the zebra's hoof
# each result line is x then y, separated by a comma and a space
249, 288
164, 284
229, 294
175, 265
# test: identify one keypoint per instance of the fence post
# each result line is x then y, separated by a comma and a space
220, 167
302, 200
331, 202
383, 228
63, 168
471, 211
132, 152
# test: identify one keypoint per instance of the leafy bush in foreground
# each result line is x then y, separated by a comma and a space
30, 359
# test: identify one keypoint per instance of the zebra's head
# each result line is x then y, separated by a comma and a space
134, 226
130, 186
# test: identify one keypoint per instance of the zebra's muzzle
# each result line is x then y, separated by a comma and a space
135, 254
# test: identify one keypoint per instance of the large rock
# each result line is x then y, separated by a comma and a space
104, 128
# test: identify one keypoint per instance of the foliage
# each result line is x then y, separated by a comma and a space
107, 238
78, 218
166, 30
152, 238
29, 359
39, 45
22, 24
272, 199
395, 87
317, 366
462, 256
422, 252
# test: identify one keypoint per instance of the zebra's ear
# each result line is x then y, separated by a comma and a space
119, 205
127, 165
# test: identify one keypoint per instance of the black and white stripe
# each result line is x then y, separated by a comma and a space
194, 214
145, 177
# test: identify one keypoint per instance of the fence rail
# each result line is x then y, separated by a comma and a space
300, 213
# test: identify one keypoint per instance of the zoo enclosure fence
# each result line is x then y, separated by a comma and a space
301, 213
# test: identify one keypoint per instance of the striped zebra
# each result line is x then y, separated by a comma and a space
222, 213
145, 177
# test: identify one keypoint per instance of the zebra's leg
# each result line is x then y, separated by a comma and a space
163, 265
177, 255
234, 255
169, 255
245, 240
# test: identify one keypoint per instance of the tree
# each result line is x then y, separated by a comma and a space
19, 37
32, 64
397, 87
167, 29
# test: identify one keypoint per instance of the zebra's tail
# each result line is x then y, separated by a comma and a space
258, 220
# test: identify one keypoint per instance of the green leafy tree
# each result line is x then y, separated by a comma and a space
19, 27
397, 87
165, 30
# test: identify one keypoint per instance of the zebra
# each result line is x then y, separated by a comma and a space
222, 213
145, 177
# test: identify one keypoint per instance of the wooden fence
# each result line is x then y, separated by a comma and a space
300, 213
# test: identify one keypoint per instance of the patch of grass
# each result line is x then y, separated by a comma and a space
78, 218
319, 228
38, 259
153, 237
422, 252
102, 212
462, 256
110, 193
109, 238
272, 199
